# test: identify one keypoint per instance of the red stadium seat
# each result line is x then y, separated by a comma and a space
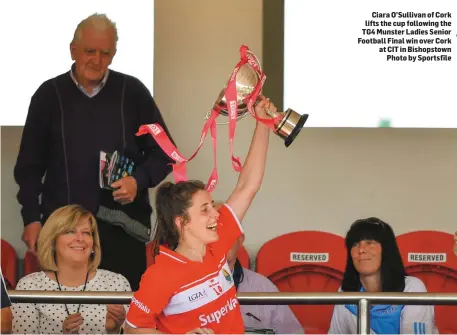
305, 261
30, 263
9, 264
428, 256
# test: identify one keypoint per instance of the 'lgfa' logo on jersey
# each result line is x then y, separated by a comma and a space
227, 275
197, 296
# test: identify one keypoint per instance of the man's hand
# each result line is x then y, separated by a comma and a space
126, 190
115, 316
30, 235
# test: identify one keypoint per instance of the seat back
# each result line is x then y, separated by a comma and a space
305, 261
9, 264
428, 256
31, 263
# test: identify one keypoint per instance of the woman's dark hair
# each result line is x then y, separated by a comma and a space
392, 269
238, 273
172, 201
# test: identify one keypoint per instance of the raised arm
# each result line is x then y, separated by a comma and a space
251, 175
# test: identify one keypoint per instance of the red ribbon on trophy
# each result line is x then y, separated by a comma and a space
248, 73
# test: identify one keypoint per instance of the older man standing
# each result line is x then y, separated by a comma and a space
73, 117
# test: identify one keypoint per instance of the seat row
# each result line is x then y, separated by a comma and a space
314, 261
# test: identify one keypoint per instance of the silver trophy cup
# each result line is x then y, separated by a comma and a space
290, 123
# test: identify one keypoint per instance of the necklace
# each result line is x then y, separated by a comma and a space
60, 289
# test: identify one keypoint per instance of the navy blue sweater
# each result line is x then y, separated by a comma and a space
62, 140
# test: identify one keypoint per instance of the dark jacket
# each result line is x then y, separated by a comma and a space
64, 133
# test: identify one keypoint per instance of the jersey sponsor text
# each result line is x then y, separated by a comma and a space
140, 305
217, 315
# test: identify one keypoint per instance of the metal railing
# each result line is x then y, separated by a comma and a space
363, 300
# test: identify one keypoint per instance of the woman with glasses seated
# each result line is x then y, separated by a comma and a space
374, 264
69, 254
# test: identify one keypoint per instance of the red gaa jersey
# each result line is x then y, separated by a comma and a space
177, 295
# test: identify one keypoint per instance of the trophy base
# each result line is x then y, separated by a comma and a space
290, 126
288, 141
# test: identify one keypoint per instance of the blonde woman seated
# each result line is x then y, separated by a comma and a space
69, 253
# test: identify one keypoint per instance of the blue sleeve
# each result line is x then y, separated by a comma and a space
5, 298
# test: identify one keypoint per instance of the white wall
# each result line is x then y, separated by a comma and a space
324, 181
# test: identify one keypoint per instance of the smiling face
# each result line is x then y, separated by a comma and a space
201, 228
367, 256
75, 245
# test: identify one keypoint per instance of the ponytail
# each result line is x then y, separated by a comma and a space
173, 201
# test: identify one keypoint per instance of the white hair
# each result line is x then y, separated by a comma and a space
99, 22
